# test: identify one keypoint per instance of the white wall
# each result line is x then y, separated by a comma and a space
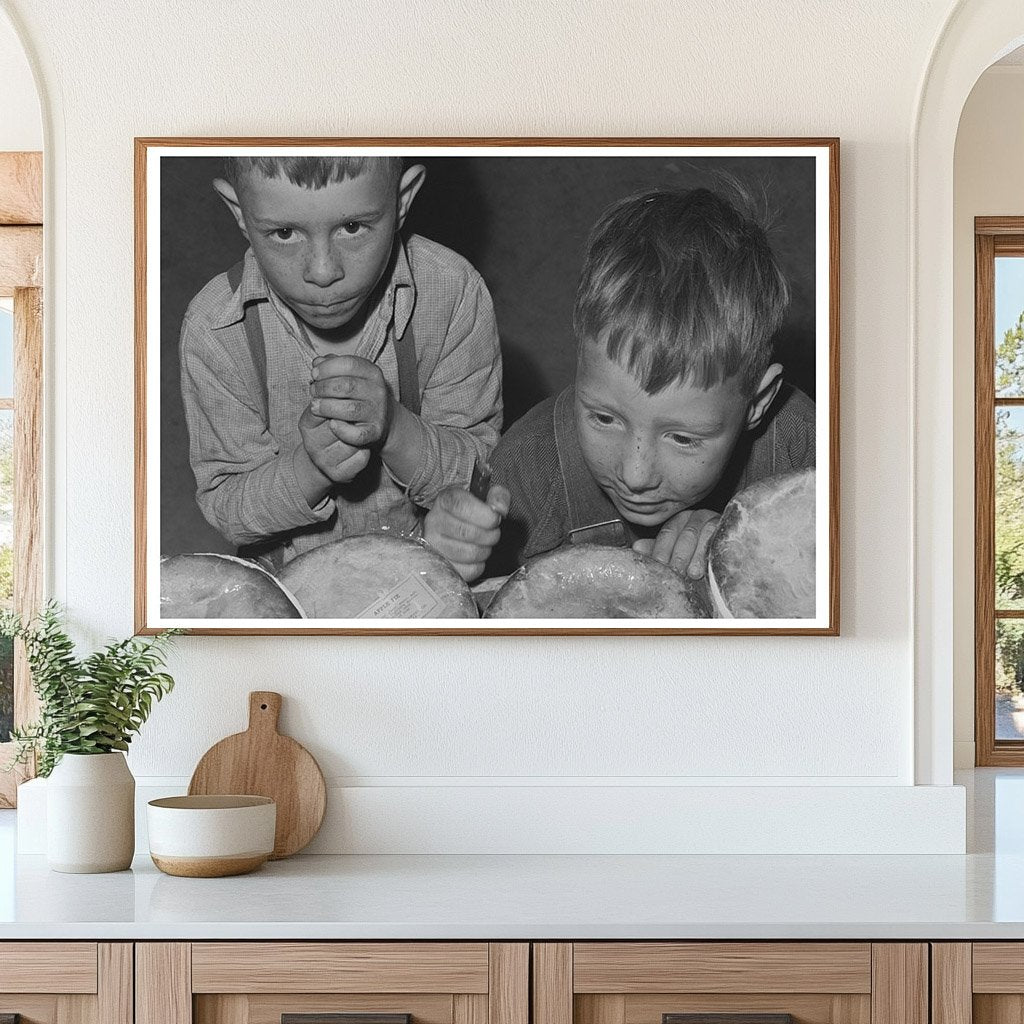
987, 182
21, 127
440, 713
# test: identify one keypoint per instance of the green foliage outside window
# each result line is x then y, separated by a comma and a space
6, 577
1009, 510
1009, 656
6, 688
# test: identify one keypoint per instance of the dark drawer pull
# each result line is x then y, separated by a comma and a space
341, 1018
727, 1018
10, 1018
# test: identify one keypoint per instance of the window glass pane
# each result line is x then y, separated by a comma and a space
6, 348
1009, 679
6, 567
1009, 320
6, 690
1009, 524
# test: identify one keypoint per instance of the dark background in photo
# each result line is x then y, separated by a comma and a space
523, 222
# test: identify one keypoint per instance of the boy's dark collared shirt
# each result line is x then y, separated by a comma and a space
246, 482
555, 500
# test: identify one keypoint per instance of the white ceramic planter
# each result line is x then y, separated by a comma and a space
90, 814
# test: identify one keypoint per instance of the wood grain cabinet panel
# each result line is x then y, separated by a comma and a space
899, 983
21, 258
163, 982
983, 983
998, 967
497, 983
66, 982
810, 982
951, 982
64, 967
21, 188
553, 989
721, 967
340, 967
259, 982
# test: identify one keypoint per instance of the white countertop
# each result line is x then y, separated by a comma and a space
976, 896
496, 897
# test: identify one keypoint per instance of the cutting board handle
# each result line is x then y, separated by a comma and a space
264, 710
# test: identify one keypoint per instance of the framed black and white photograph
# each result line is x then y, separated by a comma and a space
496, 386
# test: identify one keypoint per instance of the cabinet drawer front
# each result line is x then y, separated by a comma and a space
59, 967
339, 967
998, 967
634, 967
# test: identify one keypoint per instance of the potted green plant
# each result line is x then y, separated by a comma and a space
89, 710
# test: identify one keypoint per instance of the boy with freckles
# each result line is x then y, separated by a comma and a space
677, 403
338, 377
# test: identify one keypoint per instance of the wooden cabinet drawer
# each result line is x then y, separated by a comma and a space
812, 982
340, 967
261, 982
66, 982
630, 967
48, 967
981, 982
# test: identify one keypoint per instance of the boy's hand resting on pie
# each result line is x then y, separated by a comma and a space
682, 542
465, 529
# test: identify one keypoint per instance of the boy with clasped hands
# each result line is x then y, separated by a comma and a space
338, 378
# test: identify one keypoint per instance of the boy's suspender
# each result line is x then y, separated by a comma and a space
254, 337
405, 352
408, 369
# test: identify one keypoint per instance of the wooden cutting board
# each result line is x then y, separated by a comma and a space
262, 762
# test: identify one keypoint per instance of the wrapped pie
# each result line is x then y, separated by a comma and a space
212, 586
761, 560
589, 581
377, 576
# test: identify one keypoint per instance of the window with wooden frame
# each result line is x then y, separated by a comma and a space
999, 490
21, 364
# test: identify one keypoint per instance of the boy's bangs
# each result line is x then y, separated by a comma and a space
311, 172
652, 353
683, 334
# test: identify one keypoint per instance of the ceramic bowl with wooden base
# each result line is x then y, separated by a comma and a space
211, 836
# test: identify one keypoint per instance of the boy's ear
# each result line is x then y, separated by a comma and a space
764, 396
227, 192
412, 181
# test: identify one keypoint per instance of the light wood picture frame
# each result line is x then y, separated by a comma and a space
517, 213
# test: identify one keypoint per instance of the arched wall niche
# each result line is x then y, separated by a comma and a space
976, 34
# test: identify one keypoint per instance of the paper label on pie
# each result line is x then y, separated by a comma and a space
410, 599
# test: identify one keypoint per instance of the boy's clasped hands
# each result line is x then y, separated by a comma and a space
349, 414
